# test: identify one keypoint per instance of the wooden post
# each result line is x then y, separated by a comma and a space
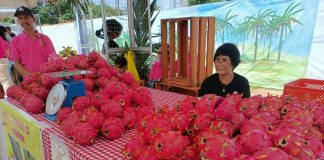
210, 47
164, 47
172, 49
194, 29
202, 50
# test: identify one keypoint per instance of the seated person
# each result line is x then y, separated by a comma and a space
121, 64
226, 81
114, 30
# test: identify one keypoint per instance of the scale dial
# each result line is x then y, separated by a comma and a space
55, 99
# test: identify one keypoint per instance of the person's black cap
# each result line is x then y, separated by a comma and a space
23, 10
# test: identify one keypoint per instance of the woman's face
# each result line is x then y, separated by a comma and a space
223, 65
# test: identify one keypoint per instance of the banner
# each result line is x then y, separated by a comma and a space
23, 137
274, 36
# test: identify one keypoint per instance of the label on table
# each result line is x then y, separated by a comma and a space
23, 136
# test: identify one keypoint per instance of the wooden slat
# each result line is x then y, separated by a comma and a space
180, 52
202, 50
194, 29
210, 45
184, 47
172, 49
164, 48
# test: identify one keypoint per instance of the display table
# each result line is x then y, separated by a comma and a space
56, 144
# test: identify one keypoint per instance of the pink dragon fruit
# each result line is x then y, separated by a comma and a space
317, 110
220, 147
24, 98
89, 84
144, 111
63, 114
93, 57
112, 128
222, 127
111, 108
93, 117
190, 153
68, 123
151, 125
128, 78
72, 60
143, 97
14, 92
89, 94
266, 117
244, 157
129, 118
83, 64
203, 137
101, 82
34, 105
180, 122
237, 120
315, 145
40, 92
115, 88
305, 154
204, 106
148, 153
249, 107
132, 148
78, 77
183, 107
253, 141
91, 75
122, 100
101, 63
253, 124
166, 149
225, 110
271, 153
98, 100
191, 100
203, 121
81, 103
84, 133
273, 102
104, 72
289, 140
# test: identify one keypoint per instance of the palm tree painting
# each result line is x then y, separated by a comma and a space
224, 25
256, 24
242, 31
284, 23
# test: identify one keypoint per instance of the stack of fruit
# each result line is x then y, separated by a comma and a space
260, 128
111, 105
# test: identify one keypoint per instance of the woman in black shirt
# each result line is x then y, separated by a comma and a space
225, 81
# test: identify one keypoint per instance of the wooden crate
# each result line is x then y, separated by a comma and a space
190, 42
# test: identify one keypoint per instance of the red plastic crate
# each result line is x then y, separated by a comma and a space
306, 90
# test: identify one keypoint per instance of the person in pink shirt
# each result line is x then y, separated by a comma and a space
30, 49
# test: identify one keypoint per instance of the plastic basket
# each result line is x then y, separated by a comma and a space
306, 90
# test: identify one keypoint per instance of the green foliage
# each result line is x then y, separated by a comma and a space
67, 52
142, 36
8, 20
96, 11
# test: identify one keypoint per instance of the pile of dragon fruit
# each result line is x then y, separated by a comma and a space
231, 128
112, 104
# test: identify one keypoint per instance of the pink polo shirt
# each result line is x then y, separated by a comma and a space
31, 53
3, 47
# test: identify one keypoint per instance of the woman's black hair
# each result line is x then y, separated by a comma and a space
113, 26
230, 50
2, 33
121, 61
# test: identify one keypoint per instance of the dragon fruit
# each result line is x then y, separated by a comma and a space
190, 153
237, 120
129, 118
83, 64
34, 105
244, 157
220, 147
111, 108
180, 122
271, 153
305, 154
122, 100
40, 92
115, 88
222, 127
148, 153
112, 128
249, 107
92, 75
253, 141
89, 84
68, 123
98, 100
191, 100
253, 124
315, 145
202, 121
132, 148
170, 144
203, 137
24, 98
204, 106
93, 57
81, 103
151, 125
84, 133
101, 63
128, 78
93, 117
143, 97
289, 140
63, 114
104, 72
101, 82
183, 107
225, 110
14, 92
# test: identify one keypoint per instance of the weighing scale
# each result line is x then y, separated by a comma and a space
63, 93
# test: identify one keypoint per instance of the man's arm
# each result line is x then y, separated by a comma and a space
21, 68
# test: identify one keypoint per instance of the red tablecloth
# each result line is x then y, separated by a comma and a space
102, 149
